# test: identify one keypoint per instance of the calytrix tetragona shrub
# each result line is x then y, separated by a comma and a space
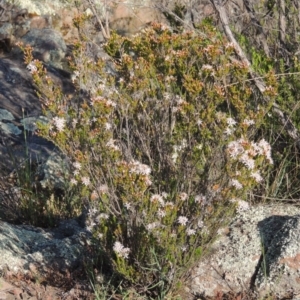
163, 146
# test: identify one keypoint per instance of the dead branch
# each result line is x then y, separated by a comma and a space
105, 31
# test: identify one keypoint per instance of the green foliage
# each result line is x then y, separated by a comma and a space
176, 16
163, 149
282, 182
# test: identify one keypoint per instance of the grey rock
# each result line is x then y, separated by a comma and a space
9, 128
55, 170
20, 109
280, 266
30, 123
259, 251
23, 246
6, 115
6, 30
48, 45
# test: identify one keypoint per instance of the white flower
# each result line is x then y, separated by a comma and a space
85, 180
167, 96
248, 122
182, 220
151, 226
74, 76
183, 248
200, 223
110, 103
111, 144
103, 216
199, 122
74, 122
230, 122
59, 123
161, 213
265, 149
264, 146
164, 195
92, 211
235, 149
207, 67
256, 175
31, 67
229, 131
127, 205
107, 126
241, 204
121, 250
73, 181
77, 165
236, 184
157, 198
220, 231
140, 168
89, 228
183, 196
200, 199
169, 204
247, 161
102, 189
190, 231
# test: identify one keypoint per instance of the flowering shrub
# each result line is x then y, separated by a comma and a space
163, 146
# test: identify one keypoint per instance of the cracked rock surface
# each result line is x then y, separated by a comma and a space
260, 250
24, 248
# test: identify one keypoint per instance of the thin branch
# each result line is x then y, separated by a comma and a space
260, 84
105, 32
